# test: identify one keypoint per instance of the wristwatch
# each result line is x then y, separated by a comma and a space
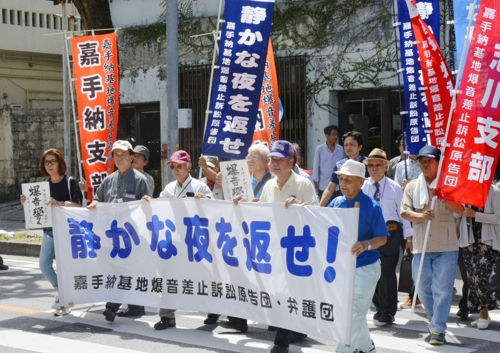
369, 245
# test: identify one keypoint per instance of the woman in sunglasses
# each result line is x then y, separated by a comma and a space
64, 191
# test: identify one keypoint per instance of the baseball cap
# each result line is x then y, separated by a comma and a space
143, 150
121, 145
212, 161
282, 148
180, 157
429, 152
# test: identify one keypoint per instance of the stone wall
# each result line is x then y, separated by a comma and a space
24, 137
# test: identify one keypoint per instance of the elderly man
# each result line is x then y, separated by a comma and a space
353, 144
389, 195
124, 185
325, 157
258, 164
440, 261
290, 188
372, 234
183, 186
210, 167
141, 161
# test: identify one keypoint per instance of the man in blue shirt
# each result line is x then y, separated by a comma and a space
372, 234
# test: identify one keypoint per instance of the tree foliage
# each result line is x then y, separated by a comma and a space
95, 14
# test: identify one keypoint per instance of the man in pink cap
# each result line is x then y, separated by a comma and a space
183, 186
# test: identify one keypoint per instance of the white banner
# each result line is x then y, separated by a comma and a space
290, 268
37, 213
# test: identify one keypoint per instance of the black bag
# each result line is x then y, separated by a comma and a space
405, 278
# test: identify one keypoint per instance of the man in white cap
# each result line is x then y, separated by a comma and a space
440, 261
210, 167
389, 195
124, 185
372, 234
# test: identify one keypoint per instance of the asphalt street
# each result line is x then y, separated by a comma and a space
27, 324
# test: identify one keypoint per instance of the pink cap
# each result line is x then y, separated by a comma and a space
180, 157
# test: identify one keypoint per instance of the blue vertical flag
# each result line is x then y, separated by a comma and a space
462, 12
238, 80
417, 117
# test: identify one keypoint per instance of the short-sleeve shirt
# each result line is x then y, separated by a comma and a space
127, 186
256, 182
296, 186
371, 223
175, 191
413, 170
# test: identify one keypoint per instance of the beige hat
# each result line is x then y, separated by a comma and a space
212, 161
352, 168
377, 154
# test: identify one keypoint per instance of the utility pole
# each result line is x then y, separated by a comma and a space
169, 129
66, 93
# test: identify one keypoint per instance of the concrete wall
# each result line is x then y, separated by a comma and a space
25, 135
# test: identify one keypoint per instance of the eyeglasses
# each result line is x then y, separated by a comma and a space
50, 161
375, 165
117, 156
253, 157
178, 167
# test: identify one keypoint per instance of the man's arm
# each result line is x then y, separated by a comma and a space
316, 170
362, 246
327, 194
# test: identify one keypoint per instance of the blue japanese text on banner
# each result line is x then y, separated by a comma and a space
415, 102
238, 80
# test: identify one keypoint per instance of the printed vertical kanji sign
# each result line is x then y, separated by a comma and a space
238, 79
472, 154
95, 64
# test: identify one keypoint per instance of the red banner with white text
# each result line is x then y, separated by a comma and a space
95, 65
267, 127
472, 153
437, 78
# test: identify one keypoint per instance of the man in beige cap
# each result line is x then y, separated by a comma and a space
124, 185
389, 195
372, 234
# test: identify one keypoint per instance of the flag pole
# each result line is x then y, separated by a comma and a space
443, 148
395, 25
214, 57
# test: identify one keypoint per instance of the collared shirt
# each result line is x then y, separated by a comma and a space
298, 170
413, 170
151, 181
123, 187
175, 191
371, 223
324, 162
391, 171
296, 186
335, 178
256, 182
391, 197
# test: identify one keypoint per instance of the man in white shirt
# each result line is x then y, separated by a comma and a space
325, 157
389, 195
183, 186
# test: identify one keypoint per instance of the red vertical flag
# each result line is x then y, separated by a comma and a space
95, 64
472, 153
437, 79
267, 127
